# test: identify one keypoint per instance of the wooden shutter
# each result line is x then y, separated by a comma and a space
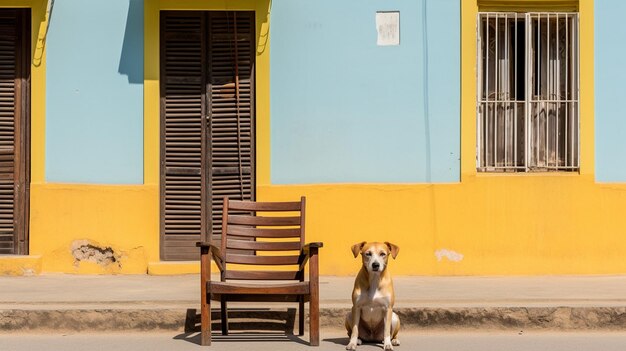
14, 110
207, 109
231, 54
182, 108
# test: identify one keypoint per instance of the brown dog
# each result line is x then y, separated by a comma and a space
372, 318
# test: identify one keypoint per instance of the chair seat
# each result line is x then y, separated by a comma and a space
296, 288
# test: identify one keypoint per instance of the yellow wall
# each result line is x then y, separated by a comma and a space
501, 224
116, 217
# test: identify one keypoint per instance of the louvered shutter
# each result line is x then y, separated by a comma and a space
231, 54
14, 80
203, 159
182, 108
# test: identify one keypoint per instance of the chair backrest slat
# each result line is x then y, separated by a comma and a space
262, 275
238, 230
264, 221
262, 260
264, 206
262, 245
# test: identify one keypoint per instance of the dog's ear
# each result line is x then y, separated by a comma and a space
394, 249
356, 248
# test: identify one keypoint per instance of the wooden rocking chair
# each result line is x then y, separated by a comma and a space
242, 232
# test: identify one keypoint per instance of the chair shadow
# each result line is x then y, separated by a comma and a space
245, 325
338, 341
345, 340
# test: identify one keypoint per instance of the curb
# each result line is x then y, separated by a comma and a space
178, 319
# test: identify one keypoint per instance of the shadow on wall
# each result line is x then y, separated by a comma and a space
263, 30
40, 35
131, 59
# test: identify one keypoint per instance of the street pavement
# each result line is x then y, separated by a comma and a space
331, 340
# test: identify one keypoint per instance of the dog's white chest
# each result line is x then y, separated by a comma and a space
373, 306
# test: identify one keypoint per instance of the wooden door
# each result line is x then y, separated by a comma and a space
207, 123
14, 129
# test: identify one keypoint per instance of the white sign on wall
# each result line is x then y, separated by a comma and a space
388, 28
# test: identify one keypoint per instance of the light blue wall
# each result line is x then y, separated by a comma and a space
610, 90
346, 110
94, 93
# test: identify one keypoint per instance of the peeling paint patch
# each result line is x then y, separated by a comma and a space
28, 272
84, 251
449, 254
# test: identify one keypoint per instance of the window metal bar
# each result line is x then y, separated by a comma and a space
555, 100
538, 103
496, 93
507, 89
528, 97
577, 19
553, 71
486, 140
479, 88
506, 139
569, 137
538, 73
575, 88
515, 104
548, 91
558, 93
567, 91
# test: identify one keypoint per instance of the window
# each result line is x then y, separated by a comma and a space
527, 96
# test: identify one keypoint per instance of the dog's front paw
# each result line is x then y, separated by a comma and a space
395, 342
388, 347
351, 346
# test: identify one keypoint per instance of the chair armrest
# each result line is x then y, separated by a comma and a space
215, 253
317, 245
309, 250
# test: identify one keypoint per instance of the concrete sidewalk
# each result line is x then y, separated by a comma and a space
143, 302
